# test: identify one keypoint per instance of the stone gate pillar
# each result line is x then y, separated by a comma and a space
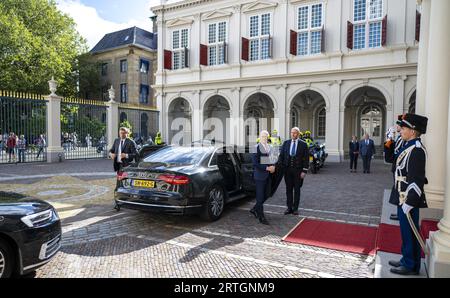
55, 152
113, 119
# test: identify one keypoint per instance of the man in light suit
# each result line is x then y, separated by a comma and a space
367, 151
123, 151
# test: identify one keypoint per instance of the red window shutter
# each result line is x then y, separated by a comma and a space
418, 18
245, 48
384, 31
322, 41
350, 35
203, 54
167, 59
293, 43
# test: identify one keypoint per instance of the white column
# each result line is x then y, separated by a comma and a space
436, 108
398, 97
113, 119
162, 114
234, 124
332, 134
438, 263
197, 117
422, 58
55, 152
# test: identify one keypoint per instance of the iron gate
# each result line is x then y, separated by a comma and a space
23, 127
83, 128
143, 122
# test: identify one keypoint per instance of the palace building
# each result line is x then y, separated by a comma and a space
335, 67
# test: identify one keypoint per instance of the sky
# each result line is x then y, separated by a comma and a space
95, 18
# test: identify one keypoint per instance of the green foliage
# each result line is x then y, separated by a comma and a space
37, 42
128, 125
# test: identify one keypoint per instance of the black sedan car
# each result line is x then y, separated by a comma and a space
30, 234
199, 179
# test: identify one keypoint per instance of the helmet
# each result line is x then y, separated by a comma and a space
275, 132
307, 132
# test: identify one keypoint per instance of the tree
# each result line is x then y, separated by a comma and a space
37, 41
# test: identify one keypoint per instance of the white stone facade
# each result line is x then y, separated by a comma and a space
334, 93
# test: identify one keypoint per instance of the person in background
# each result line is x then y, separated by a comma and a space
262, 170
21, 148
158, 139
41, 143
367, 151
2, 145
11, 144
353, 147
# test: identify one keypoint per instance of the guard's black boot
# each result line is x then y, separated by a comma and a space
395, 264
253, 211
403, 271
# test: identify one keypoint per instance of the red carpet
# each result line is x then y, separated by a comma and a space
352, 238
334, 235
389, 239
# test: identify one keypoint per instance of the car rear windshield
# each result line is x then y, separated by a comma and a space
178, 155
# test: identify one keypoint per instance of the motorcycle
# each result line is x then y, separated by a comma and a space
317, 157
314, 162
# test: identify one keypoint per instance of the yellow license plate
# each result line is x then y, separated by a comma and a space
311, 158
144, 183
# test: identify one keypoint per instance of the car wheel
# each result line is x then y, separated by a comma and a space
6, 260
214, 204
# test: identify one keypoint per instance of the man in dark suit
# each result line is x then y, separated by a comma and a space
367, 150
123, 151
353, 147
294, 159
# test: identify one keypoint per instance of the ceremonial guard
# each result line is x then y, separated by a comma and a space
396, 146
409, 184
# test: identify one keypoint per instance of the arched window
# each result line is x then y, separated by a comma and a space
412, 104
321, 122
294, 118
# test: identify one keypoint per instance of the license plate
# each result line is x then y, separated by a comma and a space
311, 158
144, 183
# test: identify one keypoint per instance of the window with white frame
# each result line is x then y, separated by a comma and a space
217, 36
367, 27
321, 122
180, 42
309, 29
260, 40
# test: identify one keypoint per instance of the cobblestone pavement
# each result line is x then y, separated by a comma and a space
100, 242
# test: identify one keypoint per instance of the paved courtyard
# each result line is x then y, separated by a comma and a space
100, 242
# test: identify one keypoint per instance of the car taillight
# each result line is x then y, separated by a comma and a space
122, 175
174, 179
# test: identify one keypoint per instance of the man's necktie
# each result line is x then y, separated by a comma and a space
293, 148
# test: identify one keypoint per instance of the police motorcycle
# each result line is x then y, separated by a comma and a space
314, 158
322, 154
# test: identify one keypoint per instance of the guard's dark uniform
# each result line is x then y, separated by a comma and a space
409, 188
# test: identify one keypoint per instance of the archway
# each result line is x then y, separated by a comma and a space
216, 111
180, 122
308, 112
365, 112
258, 116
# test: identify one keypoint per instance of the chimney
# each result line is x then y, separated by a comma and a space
155, 25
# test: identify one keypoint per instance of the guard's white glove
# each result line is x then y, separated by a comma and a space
406, 208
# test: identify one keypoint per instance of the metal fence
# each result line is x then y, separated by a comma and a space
23, 127
143, 121
83, 128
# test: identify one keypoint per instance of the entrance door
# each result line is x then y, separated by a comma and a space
371, 123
